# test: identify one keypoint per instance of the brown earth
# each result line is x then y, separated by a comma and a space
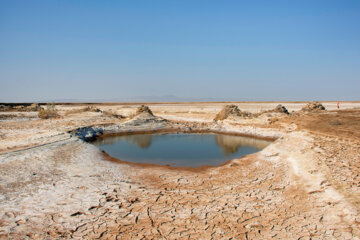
344, 123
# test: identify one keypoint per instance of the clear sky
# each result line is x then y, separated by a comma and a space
218, 50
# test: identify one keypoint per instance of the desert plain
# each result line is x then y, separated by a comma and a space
54, 184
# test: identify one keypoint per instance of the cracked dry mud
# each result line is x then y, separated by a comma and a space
303, 186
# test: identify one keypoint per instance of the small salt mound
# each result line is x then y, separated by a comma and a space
144, 109
34, 107
313, 107
281, 109
230, 110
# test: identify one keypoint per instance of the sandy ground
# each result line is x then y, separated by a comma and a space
305, 185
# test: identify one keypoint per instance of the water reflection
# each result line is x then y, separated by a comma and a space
179, 149
231, 144
141, 140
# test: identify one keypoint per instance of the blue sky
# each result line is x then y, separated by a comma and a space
217, 50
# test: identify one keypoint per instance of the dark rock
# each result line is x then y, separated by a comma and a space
88, 133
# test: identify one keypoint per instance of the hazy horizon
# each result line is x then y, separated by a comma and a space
184, 50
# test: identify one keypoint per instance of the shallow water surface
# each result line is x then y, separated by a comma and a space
180, 149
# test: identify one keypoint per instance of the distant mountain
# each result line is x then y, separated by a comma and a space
165, 98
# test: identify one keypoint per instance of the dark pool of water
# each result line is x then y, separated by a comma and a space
180, 149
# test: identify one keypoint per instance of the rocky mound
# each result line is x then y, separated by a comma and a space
34, 107
144, 115
91, 109
230, 110
313, 107
5, 108
281, 109
143, 109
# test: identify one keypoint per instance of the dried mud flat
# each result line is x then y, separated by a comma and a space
305, 185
